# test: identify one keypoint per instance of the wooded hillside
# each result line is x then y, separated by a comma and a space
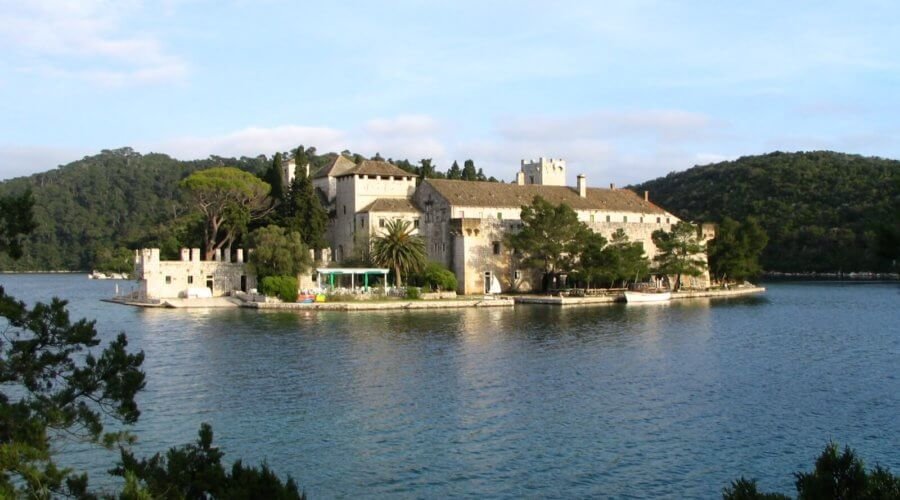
823, 211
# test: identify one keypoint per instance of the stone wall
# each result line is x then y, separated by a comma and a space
161, 279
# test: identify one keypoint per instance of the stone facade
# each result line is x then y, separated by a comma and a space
190, 276
464, 223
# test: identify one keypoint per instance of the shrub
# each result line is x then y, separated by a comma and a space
413, 292
439, 277
283, 287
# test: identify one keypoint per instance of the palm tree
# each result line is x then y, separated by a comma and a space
399, 249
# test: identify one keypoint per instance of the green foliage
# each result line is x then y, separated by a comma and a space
118, 260
734, 253
228, 199
16, 221
303, 212
118, 198
836, 476
745, 489
277, 252
552, 237
620, 260
55, 388
274, 178
823, 211
413, 293
283, 287
678, 252
196, 471
438, 277
397, 248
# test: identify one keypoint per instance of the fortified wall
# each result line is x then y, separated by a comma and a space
190, 276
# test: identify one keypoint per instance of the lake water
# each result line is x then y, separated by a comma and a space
651, 401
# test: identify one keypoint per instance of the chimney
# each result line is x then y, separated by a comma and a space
612, 186
195, 255
520, 178
185, 255
646, 195
582, 186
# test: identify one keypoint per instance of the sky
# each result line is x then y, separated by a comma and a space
624, 91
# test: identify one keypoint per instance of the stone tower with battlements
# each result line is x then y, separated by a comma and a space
544, 172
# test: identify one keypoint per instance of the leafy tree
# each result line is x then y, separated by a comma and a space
426, 171
397, 248
196, 471
228, 198
454, 172
480, 176
277, 252
16, 221
836, 476
118, 260
439, 277
620, 260
283, 287
468, 172
735, 251
678, 252
593, 263
304, 213
551, 239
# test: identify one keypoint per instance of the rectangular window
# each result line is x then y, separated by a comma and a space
658, 220
416, 223
345, 209
190, 280
592, 217
462, 214
499, 215
608, 218
381, 222
362, 222
496, 248
642, 219
667, 220
168, 280
624, 218
517, 275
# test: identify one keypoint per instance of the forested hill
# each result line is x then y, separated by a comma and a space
89, 209
823, 211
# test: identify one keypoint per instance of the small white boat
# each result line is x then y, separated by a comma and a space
645, 297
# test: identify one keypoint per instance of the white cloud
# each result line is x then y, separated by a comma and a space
17, 161
252, 141
87, 40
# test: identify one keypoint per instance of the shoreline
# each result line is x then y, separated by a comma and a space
478, 302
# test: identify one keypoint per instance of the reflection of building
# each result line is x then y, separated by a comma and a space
190, 276
463, 222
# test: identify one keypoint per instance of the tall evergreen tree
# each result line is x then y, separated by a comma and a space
468, 172
274, 177
454, 172
426, 170
304, 212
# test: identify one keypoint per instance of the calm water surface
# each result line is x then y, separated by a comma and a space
653, 401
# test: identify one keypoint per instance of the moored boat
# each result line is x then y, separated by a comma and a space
633, 297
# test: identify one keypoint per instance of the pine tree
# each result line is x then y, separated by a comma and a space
274, 177
454, 173
468, 172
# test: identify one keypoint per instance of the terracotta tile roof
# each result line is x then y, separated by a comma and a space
493, 194
373, 167
338, 166
390, 205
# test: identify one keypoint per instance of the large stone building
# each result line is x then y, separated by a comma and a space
190, 277
463, 222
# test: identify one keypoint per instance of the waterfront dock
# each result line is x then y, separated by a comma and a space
383, 306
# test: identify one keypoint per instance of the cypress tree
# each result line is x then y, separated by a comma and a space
305, 213
454, 172
468, 172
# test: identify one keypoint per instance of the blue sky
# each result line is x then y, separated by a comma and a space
624, 91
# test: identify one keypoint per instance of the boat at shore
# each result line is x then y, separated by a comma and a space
634, 297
